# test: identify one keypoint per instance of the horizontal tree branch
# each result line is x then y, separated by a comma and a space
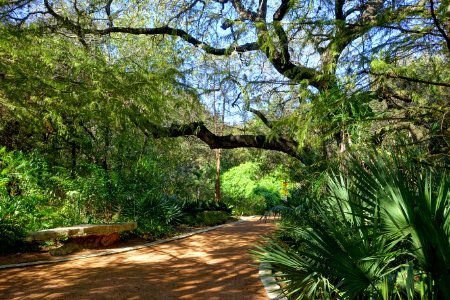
179, 33
164, 30
199, 130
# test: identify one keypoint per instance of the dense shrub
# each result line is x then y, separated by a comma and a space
254, 205
207, 218
11, 235
153, 229
35, 195
248, 191
195, 206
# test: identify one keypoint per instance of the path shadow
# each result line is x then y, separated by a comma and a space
212, 265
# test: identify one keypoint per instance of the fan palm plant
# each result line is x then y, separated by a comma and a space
415, 211
380, 220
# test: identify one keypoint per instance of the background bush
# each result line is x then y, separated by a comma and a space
248, 191
208, 218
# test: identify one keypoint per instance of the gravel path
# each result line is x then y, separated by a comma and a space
211, 265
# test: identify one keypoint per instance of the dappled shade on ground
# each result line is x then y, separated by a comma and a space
212, 265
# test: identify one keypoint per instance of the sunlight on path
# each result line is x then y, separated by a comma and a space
212, 265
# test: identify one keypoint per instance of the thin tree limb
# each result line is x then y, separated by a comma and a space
438, 25
392, 75
244, 14
262, 117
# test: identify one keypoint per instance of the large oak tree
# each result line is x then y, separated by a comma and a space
318, 57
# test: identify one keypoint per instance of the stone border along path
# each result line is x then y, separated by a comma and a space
211, 265
272, 288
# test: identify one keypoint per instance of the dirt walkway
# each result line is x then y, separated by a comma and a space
212, 265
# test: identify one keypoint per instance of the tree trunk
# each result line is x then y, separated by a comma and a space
218, 128
217, 194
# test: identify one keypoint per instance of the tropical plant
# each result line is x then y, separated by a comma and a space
383, 232
166, 210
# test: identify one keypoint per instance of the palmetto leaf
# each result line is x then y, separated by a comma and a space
296, 274
414, 208
378, 215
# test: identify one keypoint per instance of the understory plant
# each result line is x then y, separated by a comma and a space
248, 191
382, 231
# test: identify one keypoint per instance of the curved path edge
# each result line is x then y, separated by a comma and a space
118, 250
273, 290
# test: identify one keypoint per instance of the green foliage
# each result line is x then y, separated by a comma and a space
420, 124
36, 195
20, 198
165, 210
23, 195
11, 233
382, 230
205, 213
207, 218
75, 114
154, 229
192, 207
12, 213
248, 191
